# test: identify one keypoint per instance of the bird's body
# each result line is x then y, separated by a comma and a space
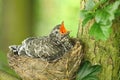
49, 48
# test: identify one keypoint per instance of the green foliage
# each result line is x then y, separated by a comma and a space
96, 28
6, 76
117, 13
103, 16
103, 1
86, 16
89, 5
88, 72
4, 67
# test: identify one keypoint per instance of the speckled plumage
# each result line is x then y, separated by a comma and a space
49, 48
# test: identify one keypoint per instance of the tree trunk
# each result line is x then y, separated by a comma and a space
105, 53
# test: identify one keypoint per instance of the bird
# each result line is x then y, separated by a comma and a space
48, 48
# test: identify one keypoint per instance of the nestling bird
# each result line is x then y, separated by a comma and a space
49, 48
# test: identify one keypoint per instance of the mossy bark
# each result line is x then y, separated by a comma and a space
105, 53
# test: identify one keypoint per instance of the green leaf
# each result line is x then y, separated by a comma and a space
106, 30
86, 16
117, 13
91, 78
4, 65
102, 17
89, 5
88, 72
95, 69
97, 32
111, 9
86, 19
83, 14
83, 71
103, 1
100, 31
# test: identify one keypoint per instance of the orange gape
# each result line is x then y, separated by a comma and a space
62, 28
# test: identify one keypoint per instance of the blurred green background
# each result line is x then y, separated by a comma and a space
20, 19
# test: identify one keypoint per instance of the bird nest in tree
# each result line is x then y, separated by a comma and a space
35, 69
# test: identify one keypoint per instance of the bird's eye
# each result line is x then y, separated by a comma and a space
56, 32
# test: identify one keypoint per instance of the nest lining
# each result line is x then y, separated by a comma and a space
35, 69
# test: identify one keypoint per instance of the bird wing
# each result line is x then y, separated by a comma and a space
42, 48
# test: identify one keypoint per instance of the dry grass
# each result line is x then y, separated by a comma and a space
35, 69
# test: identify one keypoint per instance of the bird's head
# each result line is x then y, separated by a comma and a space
59, 32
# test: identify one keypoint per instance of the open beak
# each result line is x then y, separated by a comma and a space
63, 29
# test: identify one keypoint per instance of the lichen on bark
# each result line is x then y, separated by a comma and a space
105, 53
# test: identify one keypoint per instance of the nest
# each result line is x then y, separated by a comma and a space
35, 69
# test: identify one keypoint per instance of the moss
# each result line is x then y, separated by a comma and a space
106, 53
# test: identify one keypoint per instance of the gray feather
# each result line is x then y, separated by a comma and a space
47, 48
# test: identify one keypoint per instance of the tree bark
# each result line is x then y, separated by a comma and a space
105, 53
